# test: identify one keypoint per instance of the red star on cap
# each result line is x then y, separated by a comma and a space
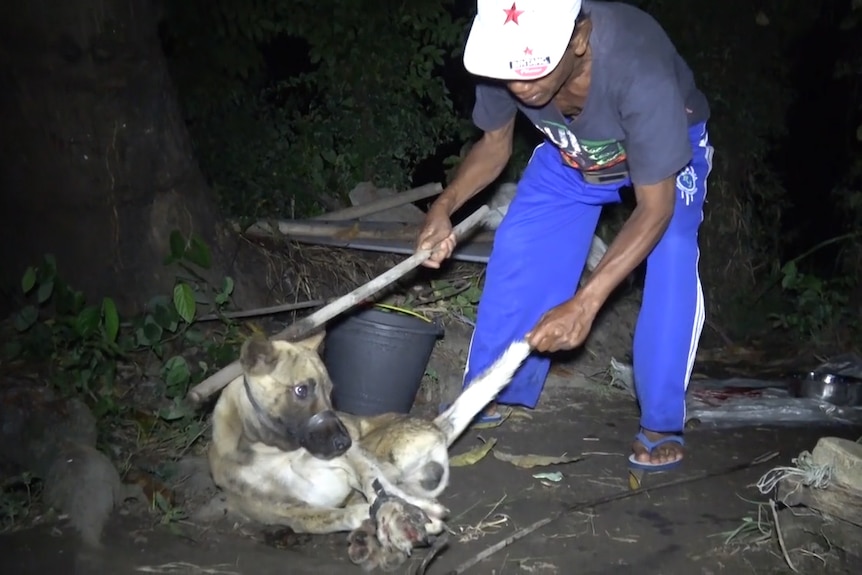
512, 14
528, 51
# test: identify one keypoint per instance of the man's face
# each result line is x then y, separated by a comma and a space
537, 93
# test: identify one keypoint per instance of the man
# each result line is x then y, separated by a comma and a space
617, 106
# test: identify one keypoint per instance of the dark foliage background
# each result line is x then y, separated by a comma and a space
290, 104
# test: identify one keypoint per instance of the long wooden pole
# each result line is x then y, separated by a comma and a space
383, 204
303, 328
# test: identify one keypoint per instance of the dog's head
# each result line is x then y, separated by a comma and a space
289, 388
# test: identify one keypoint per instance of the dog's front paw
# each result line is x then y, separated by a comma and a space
366, 551
363, 547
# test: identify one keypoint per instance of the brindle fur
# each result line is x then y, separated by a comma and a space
284, 457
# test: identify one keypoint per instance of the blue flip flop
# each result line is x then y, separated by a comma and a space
650, 446
480, 419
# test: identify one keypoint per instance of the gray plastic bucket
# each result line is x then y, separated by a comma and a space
377, 360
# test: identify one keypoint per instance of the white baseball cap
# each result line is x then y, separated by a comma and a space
519, 39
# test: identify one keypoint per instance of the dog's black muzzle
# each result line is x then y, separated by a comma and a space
325, 436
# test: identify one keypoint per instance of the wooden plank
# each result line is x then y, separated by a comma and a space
344, 231
470, 251
814, 533
834, 500
383, 204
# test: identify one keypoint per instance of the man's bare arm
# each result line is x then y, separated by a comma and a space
483, 164
636, 239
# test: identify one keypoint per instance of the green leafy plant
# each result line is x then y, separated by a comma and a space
363, 99
16, 497
83, 344
817, 304
459, 299
80, 340
175, 321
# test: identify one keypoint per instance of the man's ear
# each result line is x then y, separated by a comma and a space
258, 356
581, 37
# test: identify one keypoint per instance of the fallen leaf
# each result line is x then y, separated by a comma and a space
554, 476
761, 19
532, 460
474, 455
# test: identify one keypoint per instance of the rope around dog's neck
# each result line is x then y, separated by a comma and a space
262, 415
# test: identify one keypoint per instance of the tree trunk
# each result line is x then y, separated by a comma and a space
97, 164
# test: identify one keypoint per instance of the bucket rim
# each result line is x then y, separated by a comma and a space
429, 325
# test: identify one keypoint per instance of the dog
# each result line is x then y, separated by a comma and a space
284, 457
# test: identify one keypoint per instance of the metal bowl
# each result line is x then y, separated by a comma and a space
831, 388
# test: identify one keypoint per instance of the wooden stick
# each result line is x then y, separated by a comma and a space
521, 533
383, 204
217, 381
257, 312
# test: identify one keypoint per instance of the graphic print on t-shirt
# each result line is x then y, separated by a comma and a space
584, 155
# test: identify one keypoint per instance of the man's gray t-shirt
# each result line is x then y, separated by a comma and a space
641, 102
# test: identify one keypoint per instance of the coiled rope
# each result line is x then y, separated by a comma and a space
810, 474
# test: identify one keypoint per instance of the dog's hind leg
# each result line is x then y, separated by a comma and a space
368, 471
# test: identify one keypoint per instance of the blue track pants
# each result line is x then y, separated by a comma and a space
540, 251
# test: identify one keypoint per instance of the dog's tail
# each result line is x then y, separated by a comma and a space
481, 391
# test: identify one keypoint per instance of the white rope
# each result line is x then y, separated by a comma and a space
810, 474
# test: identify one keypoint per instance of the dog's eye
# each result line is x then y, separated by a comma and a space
301, 391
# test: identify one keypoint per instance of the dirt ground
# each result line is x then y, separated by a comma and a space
677, 530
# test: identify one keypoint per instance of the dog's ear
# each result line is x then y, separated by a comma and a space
258, 356
313, 341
